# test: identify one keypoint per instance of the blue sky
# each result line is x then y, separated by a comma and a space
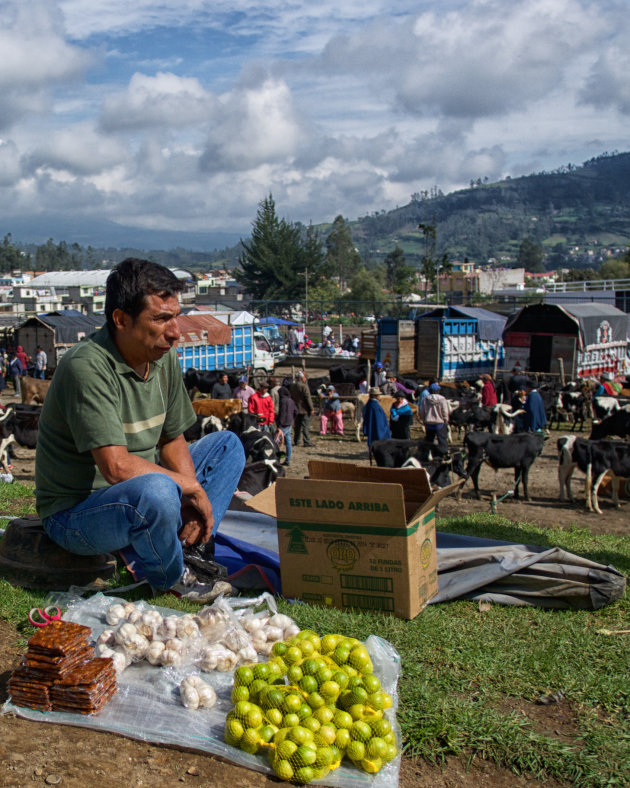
184, 114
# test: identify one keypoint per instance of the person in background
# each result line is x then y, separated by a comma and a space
301, 395
535, 416
518, 379
380, 376
222, 389
488, 392
292, 341
24, 359
243, 392
274, 388
434, 413
15, 370
425, 391
284, 420
363, 385
331, 409
389, 388
611, 388
40, 363
356, 343
400, 417
261, 404
518, 403
375, 426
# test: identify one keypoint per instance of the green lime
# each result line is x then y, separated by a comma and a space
311, 724
355, 750
267, 732
324, 757
371, 683
340, 655
342, 740
255, 688
286, 749
274, 716
290, 720
243, 676
276, 670
304, 775
300, 735
234, 729
330, 643
279, 649
283, 769
380, 727
308, 684
341, 677
324, 714
242, 708
292, 655
309, 667
376, 747
360, 659
291, 703
330, 690
307, 648
239, 692
304, 711
342, 719
357, 711
357, 695
337, 756
392, 752
304, 755
294, 674
254, 717
324, 674
261, 671
360, 731
355, 681
315, 700
250, 742
388, 701
274, 698
326, 735
376, 700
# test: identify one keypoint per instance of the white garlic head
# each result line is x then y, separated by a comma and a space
154, 652
187, 628
281, 621
207, 696
115, 615
235, 638
106, 637
136, 646
175, 644
189, 696
171, 658
124, 632
134, 616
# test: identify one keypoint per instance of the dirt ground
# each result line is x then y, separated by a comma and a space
44, 754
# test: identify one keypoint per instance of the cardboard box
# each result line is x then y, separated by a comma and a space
357, 537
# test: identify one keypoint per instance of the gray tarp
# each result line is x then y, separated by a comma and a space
486, 569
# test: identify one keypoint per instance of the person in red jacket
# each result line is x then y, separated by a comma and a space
488, 392
261, 403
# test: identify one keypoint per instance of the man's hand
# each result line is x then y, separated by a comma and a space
197, 518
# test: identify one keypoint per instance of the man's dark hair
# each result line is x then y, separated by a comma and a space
131, 281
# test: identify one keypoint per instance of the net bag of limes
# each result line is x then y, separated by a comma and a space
320, 705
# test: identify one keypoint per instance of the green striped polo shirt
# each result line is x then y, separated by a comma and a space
96, 399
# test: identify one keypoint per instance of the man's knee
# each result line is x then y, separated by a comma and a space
159, 492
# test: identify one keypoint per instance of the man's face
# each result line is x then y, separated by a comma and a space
223, 379
153, 333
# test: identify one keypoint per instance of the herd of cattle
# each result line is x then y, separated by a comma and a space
489, 434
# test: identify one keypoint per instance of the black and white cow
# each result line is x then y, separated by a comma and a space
596, 459
516, 451
618, 423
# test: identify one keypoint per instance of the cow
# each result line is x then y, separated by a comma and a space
315, 385
238, 423
221, 408
439, 470
596, 459
394, 452
204, 380
18, 424
203, 426
503, 419
618, 423
354, 375
604, 407
503, 451
257, 476
569, 406
258, 446
34, 390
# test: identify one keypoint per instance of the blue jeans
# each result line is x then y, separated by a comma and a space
286, 431
40, 373
142, 516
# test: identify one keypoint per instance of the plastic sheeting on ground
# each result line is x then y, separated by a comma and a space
147, 705
468, 568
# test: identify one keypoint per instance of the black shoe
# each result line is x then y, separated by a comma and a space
308, 445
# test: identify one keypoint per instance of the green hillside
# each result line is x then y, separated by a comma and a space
571, 212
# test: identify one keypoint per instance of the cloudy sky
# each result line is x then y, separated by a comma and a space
184, 114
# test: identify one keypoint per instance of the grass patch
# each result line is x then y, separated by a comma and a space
461, 668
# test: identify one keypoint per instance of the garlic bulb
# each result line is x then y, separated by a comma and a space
168, 627
171, 658
207, 696
115, 615
106, 637
187, 628
175, 644
281, 621
273, 634
134, 616
154, 652
124, 632
291, 631
247, 654
235, 638
189, 696
136, 646
251, 624
193, 681
149, 623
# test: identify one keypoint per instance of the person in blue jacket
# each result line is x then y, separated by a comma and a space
535, 416
400, 417
375, 425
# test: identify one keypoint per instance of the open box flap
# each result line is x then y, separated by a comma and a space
264, 502
415, 481
437, 496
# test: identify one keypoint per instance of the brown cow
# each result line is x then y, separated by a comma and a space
34, 390
222, 408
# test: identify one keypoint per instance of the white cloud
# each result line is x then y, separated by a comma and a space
76, 150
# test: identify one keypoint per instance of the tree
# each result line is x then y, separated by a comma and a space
431, 263
342, 258
11, 257
272, 263
399, 276
366, 286
615, 269
530, 256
